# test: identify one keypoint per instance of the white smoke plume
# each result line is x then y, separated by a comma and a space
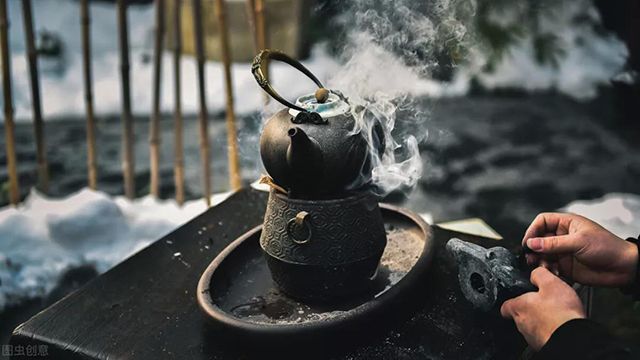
391, 45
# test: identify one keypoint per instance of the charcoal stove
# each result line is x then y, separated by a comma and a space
323, 233
313, 269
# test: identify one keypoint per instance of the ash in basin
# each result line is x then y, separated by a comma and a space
400, 255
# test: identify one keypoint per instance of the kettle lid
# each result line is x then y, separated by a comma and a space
336, 104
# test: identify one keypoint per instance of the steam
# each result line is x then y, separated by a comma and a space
391, 46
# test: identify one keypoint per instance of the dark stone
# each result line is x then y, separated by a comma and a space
443, 183
22, 156
72, 280
75, 134
529, 131
466, 147
111, 177
472, 168
72, 183
56, 168
599, 153
544, 196
590, 193
493, 205
513, 159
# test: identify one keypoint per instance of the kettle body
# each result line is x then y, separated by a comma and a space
320, 160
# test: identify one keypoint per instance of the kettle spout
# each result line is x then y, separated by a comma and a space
303, 154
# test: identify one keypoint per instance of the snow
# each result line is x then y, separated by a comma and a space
616, 212
43, 238
587, 64
62, 82
591, 59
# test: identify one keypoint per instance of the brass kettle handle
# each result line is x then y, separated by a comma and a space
258, 74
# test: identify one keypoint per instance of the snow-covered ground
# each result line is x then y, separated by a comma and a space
590, 60
43, 238
618, 213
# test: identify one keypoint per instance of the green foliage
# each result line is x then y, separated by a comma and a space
548, 49
489, 27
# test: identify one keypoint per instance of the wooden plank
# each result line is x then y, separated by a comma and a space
9, 126
146, 308
128, 141
38, 125
154, 131
85, 21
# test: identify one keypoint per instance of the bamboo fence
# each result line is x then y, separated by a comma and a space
38, 125
128, 141
9, 127
234, 164
177, 127
85, 21
204, 127
256, 15
154, 131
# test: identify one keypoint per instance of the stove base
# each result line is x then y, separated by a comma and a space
242, 302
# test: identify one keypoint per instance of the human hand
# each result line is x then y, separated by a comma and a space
538, 314
580, 250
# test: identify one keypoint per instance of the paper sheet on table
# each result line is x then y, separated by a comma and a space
473, 226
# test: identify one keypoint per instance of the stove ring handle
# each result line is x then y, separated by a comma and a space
301, 220
258, 74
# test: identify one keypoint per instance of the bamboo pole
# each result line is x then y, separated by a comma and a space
128, 164
9, 128
261, 31
38, 126
251, 17
85, 21
232, 144
154, 131
204, 131
177, 123
260, 28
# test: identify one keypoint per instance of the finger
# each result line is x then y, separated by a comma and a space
506, 310
533, 259
556, 244
546, 223
545, 264
512, 307
541, 277
553, 267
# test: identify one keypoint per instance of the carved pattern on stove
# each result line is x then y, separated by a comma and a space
342, 232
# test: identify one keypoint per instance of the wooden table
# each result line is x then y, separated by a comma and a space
145, 308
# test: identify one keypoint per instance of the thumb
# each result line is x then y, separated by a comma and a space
555, 244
